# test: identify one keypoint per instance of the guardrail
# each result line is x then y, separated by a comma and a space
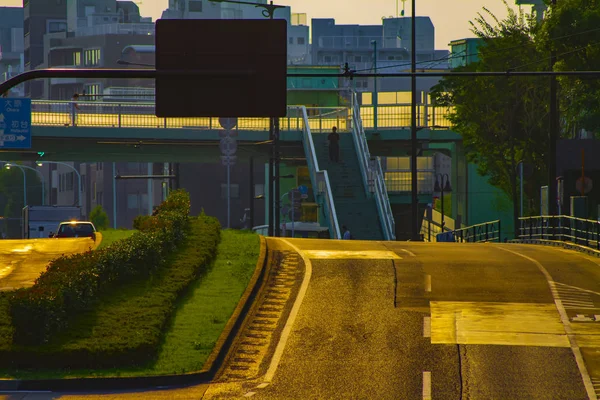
486, 232
319, 179
585, 232
142, 115
132, 114
372, 175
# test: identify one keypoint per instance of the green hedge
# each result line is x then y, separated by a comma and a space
73, 283
126, 327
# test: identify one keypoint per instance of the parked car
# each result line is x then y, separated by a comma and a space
76, 229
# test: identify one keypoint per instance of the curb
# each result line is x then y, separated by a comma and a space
558, 243
212, 365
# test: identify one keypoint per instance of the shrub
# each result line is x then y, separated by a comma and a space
127, 326
99, 218
72, 283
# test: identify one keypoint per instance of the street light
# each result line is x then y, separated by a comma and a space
40, 163
374, 43
442, 187
7, 166
42, 179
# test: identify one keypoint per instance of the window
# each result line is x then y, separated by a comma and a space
357, 58
77, 58
133, 201
195, 6
291, 40
99, 196
300, 40
92, 57
98, 166
92, 90
56, 26
259, 189
234, 191
69, 181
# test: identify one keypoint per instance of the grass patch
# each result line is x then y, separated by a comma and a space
201, 314
112, 235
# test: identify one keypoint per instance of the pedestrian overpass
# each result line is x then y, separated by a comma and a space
125, 131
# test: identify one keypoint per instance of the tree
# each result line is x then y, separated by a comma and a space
502, 120
571, 28
99, 218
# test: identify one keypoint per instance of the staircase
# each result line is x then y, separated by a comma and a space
354, 209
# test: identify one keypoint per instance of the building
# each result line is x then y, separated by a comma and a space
40, 17
386, 46
464, 51
11, 45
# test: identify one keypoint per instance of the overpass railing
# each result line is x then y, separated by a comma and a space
372, 174
319, 178
141, 115
585, 232
485, 232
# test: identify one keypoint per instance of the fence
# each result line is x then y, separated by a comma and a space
142, 115
585, 232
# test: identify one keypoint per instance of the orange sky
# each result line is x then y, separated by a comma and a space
450, 17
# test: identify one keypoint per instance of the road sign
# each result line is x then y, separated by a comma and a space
228, 160
223, 134
241, 59
228, 123
15, 123
228, 146
587, 186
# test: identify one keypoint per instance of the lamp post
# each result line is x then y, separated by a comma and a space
374, 43
42, 178
277, 203
40, 163
24, 182
442, 187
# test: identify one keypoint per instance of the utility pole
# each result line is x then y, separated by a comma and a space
413, 128
554, 122
374, 43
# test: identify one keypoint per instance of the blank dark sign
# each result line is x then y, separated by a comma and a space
256, 48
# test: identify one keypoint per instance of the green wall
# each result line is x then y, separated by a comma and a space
488, 203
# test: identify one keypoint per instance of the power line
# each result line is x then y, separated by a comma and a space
558, 55
459, 55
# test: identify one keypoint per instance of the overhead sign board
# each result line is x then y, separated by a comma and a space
241, 66
15, 123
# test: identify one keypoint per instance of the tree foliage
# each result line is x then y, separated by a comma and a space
502, 120
99, 218
572, 29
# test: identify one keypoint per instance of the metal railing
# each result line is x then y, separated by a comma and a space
487, 232
585, 232
130, 114
319, 178
372, 174
142, 115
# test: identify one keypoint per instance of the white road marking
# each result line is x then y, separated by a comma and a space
262, 385
427, 327
285, 333
350, 254
249, 394
428, 283
410, 253
426, 385
587, 381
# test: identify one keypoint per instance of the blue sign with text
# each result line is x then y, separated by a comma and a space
15, 123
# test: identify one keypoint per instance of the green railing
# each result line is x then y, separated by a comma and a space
585, 232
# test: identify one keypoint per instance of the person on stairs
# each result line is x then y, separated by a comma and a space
334, 145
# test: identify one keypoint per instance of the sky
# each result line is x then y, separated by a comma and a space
450, 17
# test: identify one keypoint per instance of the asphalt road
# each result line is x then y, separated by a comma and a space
22, 261
420, 321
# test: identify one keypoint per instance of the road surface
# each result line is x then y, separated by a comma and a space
401, 320
22, 260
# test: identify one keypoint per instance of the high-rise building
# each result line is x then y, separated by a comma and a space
11, 44
40, 17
